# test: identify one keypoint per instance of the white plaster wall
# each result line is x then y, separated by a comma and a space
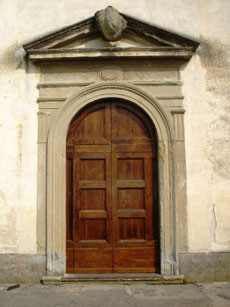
206, 91
207, 130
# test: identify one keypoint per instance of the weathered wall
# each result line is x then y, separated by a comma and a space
207, 129
206, 91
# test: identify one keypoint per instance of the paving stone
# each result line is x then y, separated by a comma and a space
116, 295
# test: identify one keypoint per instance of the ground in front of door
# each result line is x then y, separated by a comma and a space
119, 295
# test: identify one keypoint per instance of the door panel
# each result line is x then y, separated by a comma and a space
133, 220
93, 260
135, 260
112, 210
132, 193
129, 125
92, 211
92, 126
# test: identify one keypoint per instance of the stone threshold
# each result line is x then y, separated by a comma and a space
154, 279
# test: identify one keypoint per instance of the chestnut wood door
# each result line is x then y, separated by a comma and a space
112, 194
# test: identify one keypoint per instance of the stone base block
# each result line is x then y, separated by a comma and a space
22, 268
197, 267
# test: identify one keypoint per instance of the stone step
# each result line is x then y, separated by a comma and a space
119, 278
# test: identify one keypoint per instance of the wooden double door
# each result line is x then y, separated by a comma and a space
112, 195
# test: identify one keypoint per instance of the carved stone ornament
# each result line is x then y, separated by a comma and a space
111, 23
110, 73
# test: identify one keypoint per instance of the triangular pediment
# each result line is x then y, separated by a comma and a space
128, 40
85, 39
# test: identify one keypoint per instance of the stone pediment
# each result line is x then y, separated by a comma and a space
88, 38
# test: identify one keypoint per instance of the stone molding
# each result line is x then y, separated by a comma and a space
164, 44
88, 27
62, 84
178, 123
56, 193
57, 109
43, 125
37, 55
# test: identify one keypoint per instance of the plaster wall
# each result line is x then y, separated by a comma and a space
206, 102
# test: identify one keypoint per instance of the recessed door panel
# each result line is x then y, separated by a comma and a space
92, 126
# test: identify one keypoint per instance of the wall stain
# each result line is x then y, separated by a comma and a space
19, 168
7, 225
3, 198
13, 57
214, 58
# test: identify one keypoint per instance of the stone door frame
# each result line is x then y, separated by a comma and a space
168, 154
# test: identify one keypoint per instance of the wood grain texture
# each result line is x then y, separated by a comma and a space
112, 210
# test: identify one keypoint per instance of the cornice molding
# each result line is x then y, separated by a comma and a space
79, 53
52, 46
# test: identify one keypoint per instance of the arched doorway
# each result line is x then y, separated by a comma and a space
112, 221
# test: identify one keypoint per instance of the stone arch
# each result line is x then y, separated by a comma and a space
117, 90
56, 168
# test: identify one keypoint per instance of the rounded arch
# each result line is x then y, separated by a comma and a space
144, 122
56, 169
76, 102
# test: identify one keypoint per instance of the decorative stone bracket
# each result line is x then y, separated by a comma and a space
43, 125
178, 124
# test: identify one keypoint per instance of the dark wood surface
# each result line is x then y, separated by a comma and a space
112, 211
